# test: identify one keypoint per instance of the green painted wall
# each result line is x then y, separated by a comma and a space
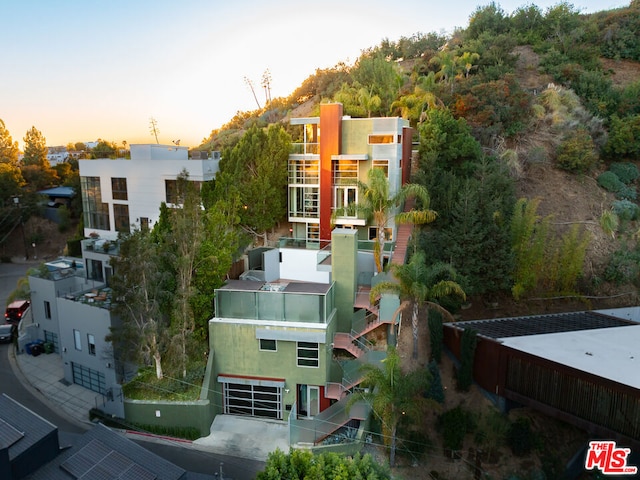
344, 264
236, 351
196, 414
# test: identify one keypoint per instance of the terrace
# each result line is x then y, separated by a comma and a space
279, 301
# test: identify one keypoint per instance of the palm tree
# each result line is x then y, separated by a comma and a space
392, 395
419, 284
376, 203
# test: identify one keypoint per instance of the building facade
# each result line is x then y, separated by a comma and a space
121, 194
330, 153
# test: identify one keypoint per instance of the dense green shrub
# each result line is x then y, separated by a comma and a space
577, 152
435, 390
627, 192
610, 182
627, 172
520, 437
467, 352
454, 425
435, 335
623, 267
626, 210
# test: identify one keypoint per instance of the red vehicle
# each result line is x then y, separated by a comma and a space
15, 311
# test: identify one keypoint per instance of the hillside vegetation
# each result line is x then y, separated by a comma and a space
517, 117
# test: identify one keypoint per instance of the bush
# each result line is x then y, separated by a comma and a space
627, 172
610, 182
627, 192
520, 437
623, 267
626, 210
467, 352
435, 335
435, 390
454, 425
577, 153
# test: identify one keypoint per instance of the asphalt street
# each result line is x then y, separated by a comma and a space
189, 458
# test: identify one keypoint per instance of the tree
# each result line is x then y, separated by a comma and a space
303, 464
419, 284
380, 78
256, 170
104, 149
376, 203
36, 168
184, 242
11, 182
35, 149
446, 142
9, 151
141, 289
393, 395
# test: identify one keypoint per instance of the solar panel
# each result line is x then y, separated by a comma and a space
96, 461
8, 435
541, 324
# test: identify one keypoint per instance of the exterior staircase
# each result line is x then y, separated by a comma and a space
351, 344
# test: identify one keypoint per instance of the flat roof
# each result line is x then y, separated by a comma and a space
612, 353
590, 341
279, 286
500, 328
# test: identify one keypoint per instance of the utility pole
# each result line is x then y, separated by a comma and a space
16, 201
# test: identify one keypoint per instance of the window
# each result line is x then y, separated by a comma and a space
344, 171
373, 233
268, 345
47, 310
119, 188
91, 340
382, 165
77, 340
96, 213
171, 191
144, 224
304, 202
308, 354
383, 138
313, 232
121, 217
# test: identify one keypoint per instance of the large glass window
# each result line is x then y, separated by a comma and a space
304, 202
304, 171
77, 340
121, 217
47, 310
119, 188
344, 172
384, 138
308, 354
171, 191
382, 165
254, 400
96, 213
91, 341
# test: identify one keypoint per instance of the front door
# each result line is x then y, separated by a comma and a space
308, 400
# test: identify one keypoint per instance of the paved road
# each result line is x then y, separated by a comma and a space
190, 459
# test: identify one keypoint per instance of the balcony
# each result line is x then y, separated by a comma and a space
305, 149
284, 302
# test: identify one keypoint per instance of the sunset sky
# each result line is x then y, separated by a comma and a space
79, 70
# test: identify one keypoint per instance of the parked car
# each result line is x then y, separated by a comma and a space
15, 311
7, 331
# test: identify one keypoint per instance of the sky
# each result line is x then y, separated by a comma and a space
80, 70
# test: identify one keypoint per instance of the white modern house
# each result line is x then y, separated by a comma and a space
121, 193
71, 300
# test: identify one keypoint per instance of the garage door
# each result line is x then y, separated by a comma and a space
88, 378
253, 400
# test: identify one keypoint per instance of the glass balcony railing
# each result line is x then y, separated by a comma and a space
275, 306
305, 149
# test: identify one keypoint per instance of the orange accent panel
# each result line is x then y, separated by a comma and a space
330, 144
324, 402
